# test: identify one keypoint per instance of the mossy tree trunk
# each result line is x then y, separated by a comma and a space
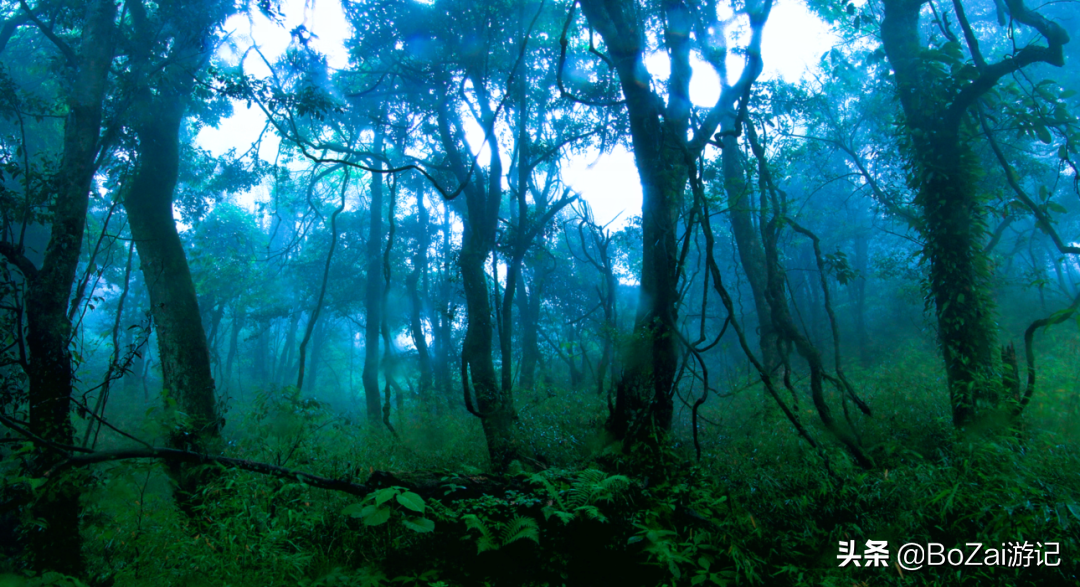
943, 173
483, 196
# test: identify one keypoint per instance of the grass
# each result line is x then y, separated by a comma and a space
759, 508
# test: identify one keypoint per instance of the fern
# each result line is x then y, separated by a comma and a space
485, 541
593, 486
520, 528
549, 488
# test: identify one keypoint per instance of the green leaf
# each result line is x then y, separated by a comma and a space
384, 495
417, 524
1056, 208
355, 510
378, 517
1043, 134
411, 501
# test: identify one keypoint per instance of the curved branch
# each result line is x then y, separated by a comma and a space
1029, 351
17, 257
1052, 53
64, 48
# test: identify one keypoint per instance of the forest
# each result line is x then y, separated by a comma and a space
824, 330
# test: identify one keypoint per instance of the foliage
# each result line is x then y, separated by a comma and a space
377, 508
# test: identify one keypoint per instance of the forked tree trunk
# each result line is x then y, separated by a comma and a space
659, 129
56, 545
944, 175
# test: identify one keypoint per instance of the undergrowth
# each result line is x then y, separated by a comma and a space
759, 508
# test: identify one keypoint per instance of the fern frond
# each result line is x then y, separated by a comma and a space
591, 512
520, 528
472, 522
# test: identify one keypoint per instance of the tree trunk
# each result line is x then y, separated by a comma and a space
56, 545
643, 396
751, 251
944, 174
238, 319
659, 129
420, 261
373, 293
313, 319
182, 343
476, 352
482, 199
529, 308
284, 367
443, 322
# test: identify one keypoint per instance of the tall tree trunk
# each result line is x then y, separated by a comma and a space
389, 361
238, 319
182, 345
217, 313
659, 129
643, 398
260, 365
412, 281
317, 309
284, 367
529, 309
476, 352
944, 175
57, 544
373, 293
741, 208
323, 331
482, 199
443, 321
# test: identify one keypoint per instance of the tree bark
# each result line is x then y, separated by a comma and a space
182, 342
373, 292
317, 309
482, 199
748, 242
412, 284
529, 309
239, 317
944, 175
643, 398
57, 544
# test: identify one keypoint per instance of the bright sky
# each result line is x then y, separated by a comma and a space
793, 41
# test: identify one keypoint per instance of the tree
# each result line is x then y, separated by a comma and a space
664, 152
938, 92
169, 48
57, 544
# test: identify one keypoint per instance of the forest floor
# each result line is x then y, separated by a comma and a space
758, 508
